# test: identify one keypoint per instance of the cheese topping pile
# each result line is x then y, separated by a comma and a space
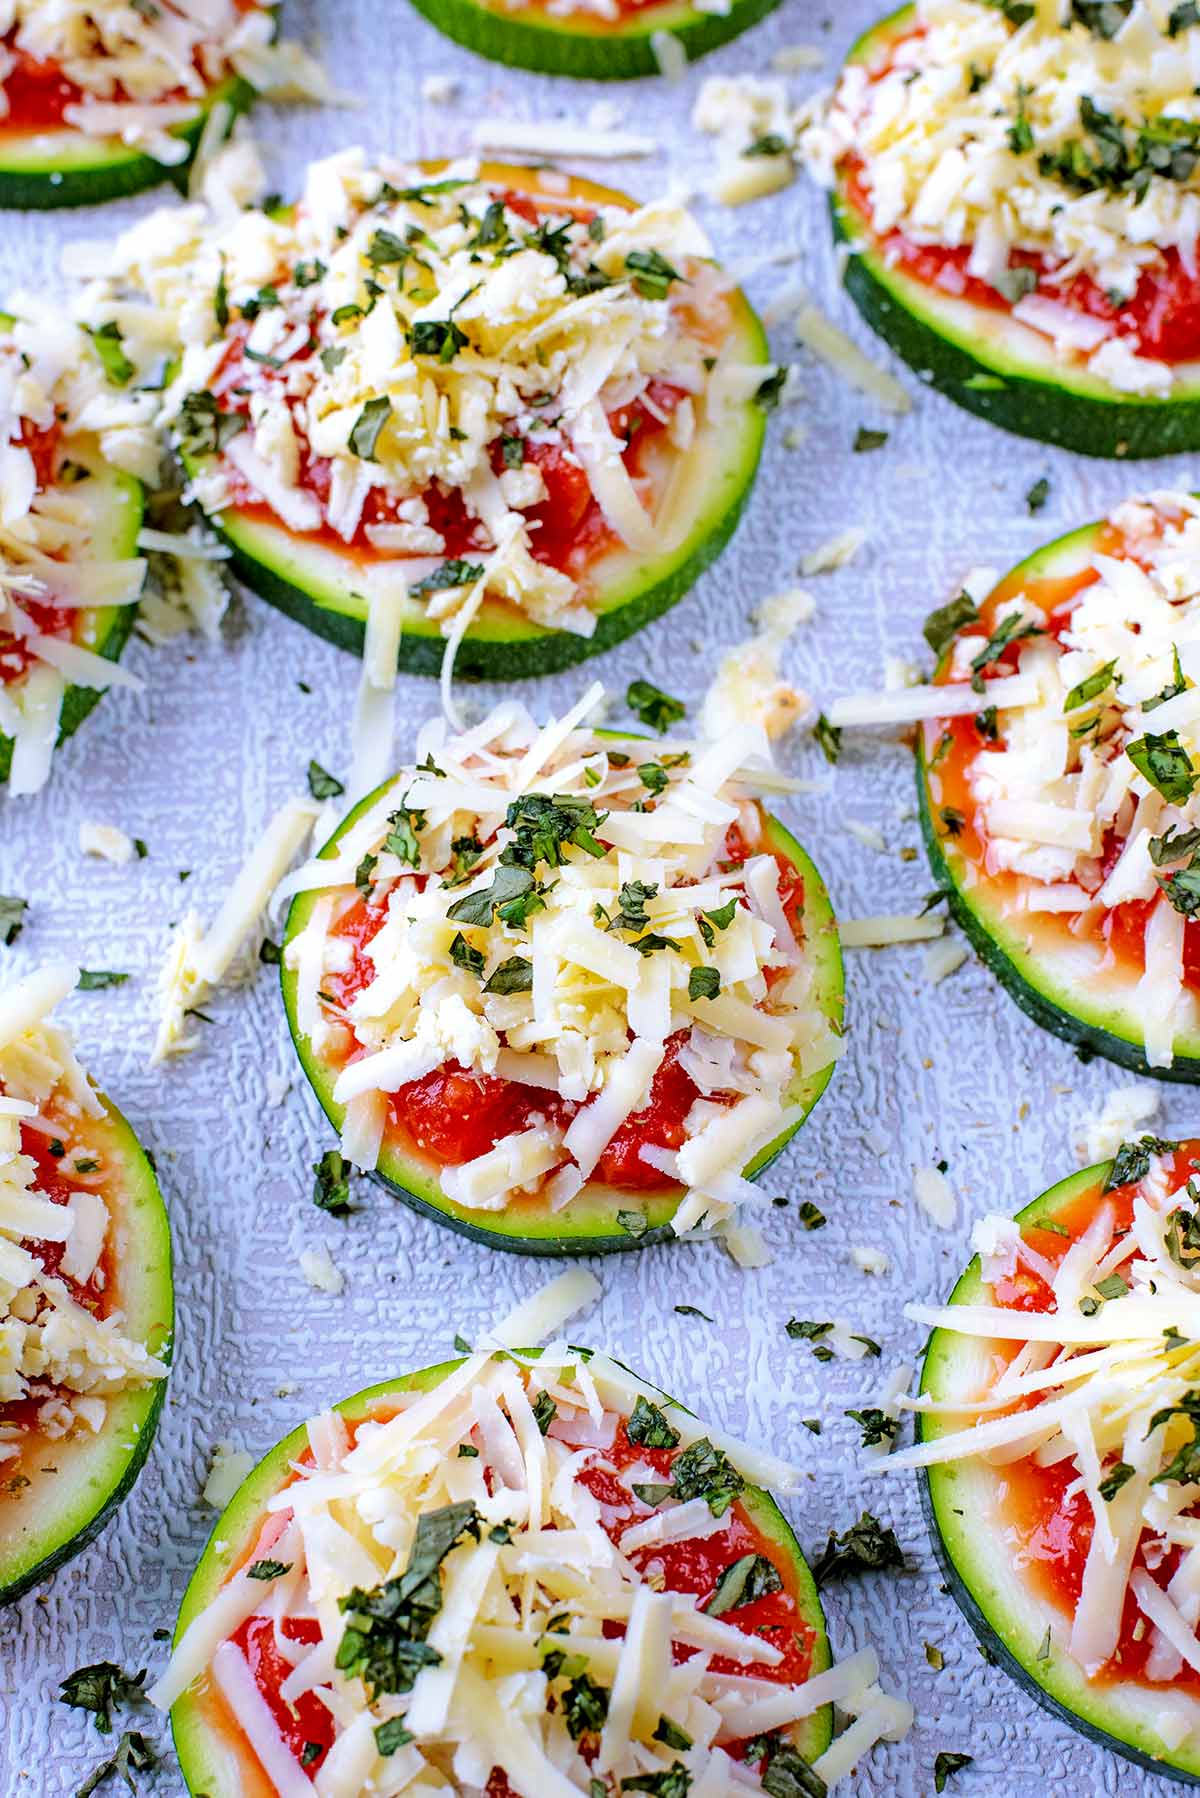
1101, 744
52, 1349
1075, 141
73, 388
1109, 1379
143, 66
421, 338
475, 1611
556, 908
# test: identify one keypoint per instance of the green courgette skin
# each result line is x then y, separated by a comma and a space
988, 383
1057, 1664
111, 177
493, 658
149, 1234
565, 1233
204, 1759
558, 48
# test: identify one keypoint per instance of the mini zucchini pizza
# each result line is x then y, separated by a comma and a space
1058, 782
602, 40
1018, 189
1057, 1433
564, 990
517, 1576
490, 412
96, 102
86, 1301
70, 572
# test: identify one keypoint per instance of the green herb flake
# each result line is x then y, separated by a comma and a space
828, 738
92, 980
322, 784
12, 918
101, 1689
1039, 493
331, 1191
392, 1735
1165, 763
946, 1765
455, 573
108, 345
647, 1426
268, 1569
865, 440
866, 1547
1114, 1479
943, 625
751, 1576
703, 983
656, 709
1091, 687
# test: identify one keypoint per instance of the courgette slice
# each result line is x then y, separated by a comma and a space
45, 170
320, 584
115, 504
219, 1763
988, 362
600, 1219
1060, 981
1019, 1628
582, 44
71, 1492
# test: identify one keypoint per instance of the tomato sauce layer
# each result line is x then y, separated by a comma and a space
1051, 1526
952, 746
696, 1566
1162, 314
454, 1115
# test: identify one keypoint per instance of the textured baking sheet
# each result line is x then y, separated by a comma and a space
223, 733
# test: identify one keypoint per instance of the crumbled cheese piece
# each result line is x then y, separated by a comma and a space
867, 835
899, 673
669, 54
227, 1470
869, 1260
835, 553
1126, 1113
746, 688
934, 1195
943, 959
439, 90
318, 1267
831, 344
107, 842
882, 932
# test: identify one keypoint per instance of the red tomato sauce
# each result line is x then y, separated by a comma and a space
304, 1723
1163, 313
38, 93
697, 1565
953, 744
1051, 1531
454, 1115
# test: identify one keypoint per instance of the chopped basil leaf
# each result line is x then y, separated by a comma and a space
1166, 765
12, 918
694, 1311
322, 784
703, 983
270, 953
633, 1222
307, 274
656, 709
1039, 493
1113, 1287
544, 1411
480, 907
770, 144
948, 1763
1103, 18
391, 1735
1091, 688
456, 573
876, 1425
106, 340
221, 299
268, 1569
671, 1734
828, 738
1176, 685
751, 1576
439, 337
647, 1426
133, 1754
1132, 1160
1010, 630
653, 777
384, 1642
585, 1707
703, 1471
652, 1495
1114, 1479
512, 976
810, 1217
203, 429
92, 980
652, 273
464, 956
467, 1452
331, 1191
769, 390
364, 436
100, 1689
866, 439
1172, 846
866, 1547
944, 623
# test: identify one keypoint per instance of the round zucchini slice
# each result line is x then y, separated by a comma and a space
600, 1219
52, 1505
115, 503
989, 362
1020, 1627
1063, 982
531, 37
44, 170
215, 1758
319, 583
